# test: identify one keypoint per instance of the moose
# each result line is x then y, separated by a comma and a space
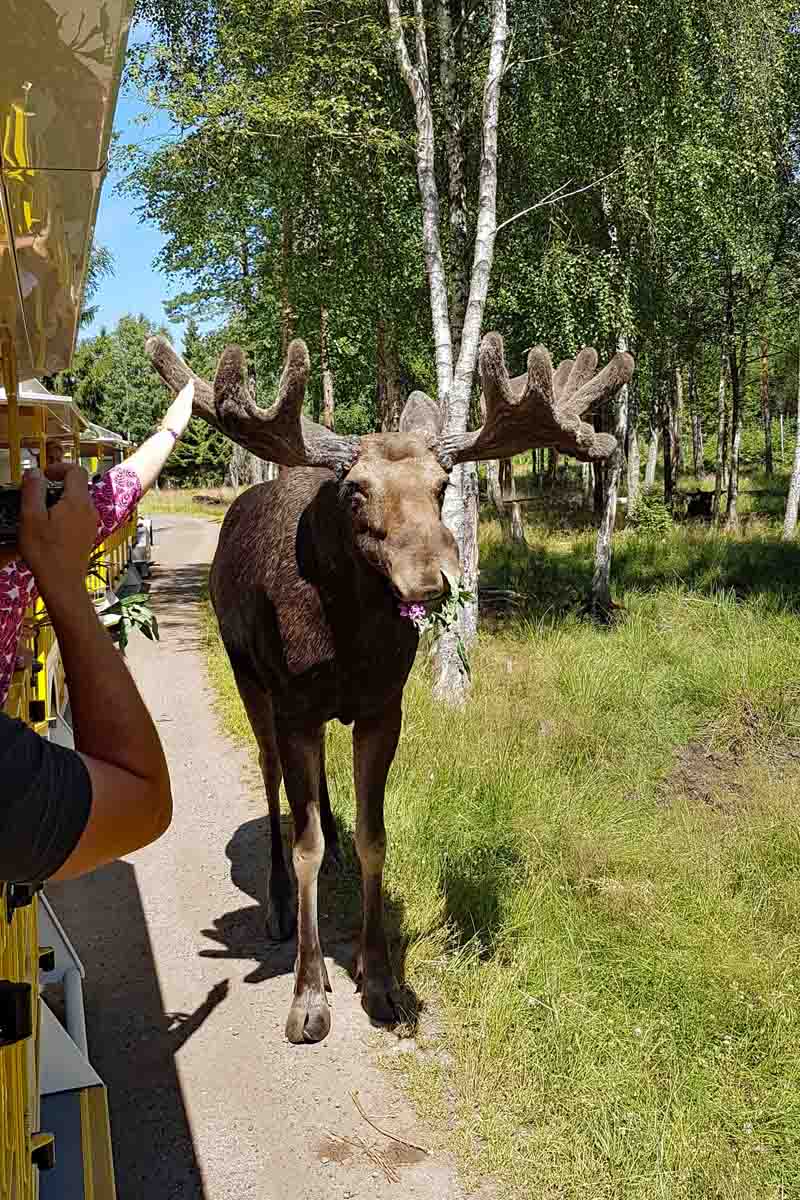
309, 583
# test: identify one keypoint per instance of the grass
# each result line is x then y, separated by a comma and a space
613, 964
183, 501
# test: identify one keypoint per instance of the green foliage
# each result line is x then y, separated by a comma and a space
201, 456
113, 381
101, 266
131, 613
649, 515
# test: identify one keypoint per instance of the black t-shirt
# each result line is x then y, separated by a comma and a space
45, 800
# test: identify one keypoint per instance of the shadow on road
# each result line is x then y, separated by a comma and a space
243, 933
132, 1039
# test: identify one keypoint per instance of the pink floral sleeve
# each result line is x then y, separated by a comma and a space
114, 496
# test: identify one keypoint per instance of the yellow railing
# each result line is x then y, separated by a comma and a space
19, 1100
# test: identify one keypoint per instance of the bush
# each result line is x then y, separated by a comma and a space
650, 515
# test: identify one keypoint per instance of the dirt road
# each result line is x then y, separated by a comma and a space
186, 997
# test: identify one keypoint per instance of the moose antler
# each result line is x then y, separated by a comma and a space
542, 408
279, 434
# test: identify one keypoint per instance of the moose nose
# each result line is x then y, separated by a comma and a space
420, 591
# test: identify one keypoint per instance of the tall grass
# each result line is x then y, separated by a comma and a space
613, 966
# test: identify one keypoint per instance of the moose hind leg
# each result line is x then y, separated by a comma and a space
309, 1017
258, 704
374, 745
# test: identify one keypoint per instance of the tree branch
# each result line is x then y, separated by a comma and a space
559, 194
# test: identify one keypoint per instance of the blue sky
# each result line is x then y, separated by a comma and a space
136, 286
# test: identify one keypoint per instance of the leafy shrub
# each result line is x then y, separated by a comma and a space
650, 515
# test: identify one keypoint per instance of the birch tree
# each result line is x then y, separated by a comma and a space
456, 339
793, 499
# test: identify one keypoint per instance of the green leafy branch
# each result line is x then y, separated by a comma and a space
131, 613
445, 618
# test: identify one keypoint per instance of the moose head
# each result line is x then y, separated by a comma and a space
392, 485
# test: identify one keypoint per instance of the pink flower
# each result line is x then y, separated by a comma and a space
413, 612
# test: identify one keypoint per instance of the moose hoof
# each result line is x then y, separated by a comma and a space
380, 1001
309, 1018
281, 916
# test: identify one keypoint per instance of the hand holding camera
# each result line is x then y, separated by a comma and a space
57, 528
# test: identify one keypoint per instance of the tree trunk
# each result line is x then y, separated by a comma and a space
719, 470
493, 489
667, 427
244, 468
508, 488
455, 376
552, 466
287, 316
677, 423
780, 415
494, 472
634, 458
652, 451
793, 499
766, 409
586, 483
600, 604
698, 450
735, 372
325, 369
449, 58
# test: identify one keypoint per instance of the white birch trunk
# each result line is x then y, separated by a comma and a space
652, 459
600, 603
327, 415
634, 458
722, 437
460, 509
793, 499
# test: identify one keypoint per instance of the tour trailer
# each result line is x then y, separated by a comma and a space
60, 69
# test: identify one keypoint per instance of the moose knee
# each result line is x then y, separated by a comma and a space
371, 851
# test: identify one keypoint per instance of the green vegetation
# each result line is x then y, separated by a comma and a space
185, 501
595, 873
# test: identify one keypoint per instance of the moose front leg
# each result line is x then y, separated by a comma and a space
309, 1017
374, 745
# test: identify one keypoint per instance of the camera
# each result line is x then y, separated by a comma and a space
10, 497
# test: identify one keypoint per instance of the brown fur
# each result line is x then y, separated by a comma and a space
307, 584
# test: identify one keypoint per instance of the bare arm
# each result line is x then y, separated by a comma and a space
148, 461
131, 801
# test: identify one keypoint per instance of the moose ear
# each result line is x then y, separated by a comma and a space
421, 415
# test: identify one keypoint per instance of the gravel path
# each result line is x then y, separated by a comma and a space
186, 998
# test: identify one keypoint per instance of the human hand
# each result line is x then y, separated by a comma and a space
56, 542
179, 413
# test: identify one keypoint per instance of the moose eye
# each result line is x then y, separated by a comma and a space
356, 494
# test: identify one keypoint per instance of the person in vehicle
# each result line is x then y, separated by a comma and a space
64, 812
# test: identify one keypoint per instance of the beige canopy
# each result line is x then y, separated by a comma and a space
60, 68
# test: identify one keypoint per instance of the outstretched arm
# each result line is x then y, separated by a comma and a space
131, 803
119, 491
